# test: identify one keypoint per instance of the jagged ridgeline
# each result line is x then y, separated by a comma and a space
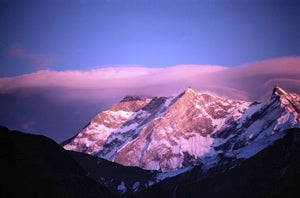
171, 133
191, 144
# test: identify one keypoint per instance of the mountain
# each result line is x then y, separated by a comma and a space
194, 144
36, 166
171, 133
120, 180
273, 172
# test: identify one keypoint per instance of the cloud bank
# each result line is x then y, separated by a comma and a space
247, 82
60, 103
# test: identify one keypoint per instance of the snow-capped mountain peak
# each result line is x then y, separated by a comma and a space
170, 133
278, 91
134, 98
189, 90
289, 101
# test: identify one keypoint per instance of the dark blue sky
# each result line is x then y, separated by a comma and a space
86, 34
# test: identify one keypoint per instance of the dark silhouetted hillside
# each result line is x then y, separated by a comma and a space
35, 166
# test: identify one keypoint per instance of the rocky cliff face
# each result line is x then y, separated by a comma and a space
273, 172
95, 134
170, 133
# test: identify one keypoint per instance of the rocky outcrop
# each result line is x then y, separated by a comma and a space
170, 133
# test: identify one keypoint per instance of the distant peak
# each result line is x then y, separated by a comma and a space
189, 90
278, 91
134, 98
187, 93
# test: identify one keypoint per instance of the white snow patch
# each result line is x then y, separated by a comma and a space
197, 145
219, 123
162, 176
286, 121
120, 113
136, 186
140, 114
209, 159
250, 136
150, 183
127, 128
122, 188
257, 146
153, 165
249, 112
70, 147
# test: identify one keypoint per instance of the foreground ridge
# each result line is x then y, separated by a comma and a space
36, 166
171, 133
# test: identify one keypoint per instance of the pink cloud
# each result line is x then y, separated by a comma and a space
35, 60
71, 98
253, 81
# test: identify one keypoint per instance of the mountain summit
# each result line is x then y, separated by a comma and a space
171, 133
288, 100
278, 91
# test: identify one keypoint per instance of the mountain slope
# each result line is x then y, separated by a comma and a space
273, 172
259, 126
35, 166
95, 134
176, 138
121, 180
170, 133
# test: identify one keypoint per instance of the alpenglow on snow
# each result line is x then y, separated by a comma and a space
171, 133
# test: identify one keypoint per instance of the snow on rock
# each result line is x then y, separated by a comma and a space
136, 186
172, 134
162, 176
98, 131
122, 188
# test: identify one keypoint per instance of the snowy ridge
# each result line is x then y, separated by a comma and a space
97, 132
175, 133
131, 129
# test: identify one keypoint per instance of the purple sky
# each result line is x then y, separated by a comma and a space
86, 34
63, 61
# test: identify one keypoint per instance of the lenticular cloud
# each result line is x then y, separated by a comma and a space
59, 103
247, 82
